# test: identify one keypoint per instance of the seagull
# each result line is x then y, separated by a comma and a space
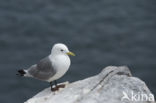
52, 67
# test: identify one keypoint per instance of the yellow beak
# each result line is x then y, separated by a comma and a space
70, 53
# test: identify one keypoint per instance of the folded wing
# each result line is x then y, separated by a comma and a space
43, 70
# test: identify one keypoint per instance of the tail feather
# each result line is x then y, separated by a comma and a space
21, 72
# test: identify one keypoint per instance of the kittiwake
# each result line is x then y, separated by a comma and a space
52, 67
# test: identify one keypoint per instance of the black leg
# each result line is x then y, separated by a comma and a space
51, 85
55, 83
56, 86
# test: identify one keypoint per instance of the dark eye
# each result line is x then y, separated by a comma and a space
62, 50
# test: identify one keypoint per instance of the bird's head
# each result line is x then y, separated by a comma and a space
60, 48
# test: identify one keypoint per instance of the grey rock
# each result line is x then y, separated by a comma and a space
112, 85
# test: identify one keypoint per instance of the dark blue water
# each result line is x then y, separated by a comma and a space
99, 32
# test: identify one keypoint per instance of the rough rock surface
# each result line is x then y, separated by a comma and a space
112, 85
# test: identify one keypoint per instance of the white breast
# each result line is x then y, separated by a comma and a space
61, 64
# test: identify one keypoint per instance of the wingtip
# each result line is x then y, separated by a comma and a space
21, 72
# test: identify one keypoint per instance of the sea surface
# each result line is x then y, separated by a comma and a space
100, 32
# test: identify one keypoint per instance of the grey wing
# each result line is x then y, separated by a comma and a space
43, 70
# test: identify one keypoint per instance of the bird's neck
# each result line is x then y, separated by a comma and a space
57, 55
60, 60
